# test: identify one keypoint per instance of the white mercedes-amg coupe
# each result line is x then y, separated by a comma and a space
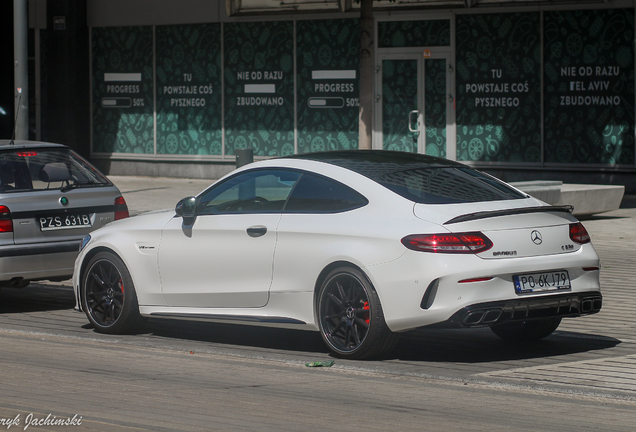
358, 245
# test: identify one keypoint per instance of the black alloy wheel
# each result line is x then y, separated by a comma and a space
108, 295
350, 316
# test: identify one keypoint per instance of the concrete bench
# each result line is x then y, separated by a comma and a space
587, 199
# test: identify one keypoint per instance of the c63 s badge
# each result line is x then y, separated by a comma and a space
145, 248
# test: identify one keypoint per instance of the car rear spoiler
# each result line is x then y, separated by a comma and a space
507, 212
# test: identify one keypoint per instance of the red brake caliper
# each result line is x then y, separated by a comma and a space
366, 315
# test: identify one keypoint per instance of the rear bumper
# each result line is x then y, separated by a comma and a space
524, 309
38, 261
39, 249
403, 284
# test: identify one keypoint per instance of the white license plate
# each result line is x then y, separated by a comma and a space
50, 223
539, 282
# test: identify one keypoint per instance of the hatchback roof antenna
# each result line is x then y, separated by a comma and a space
15, 124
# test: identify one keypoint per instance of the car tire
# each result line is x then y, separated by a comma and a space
516, 331
108, 295
350, 316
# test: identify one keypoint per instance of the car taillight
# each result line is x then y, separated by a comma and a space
459, 243
27, 153
578, 233
6, 224
121, 209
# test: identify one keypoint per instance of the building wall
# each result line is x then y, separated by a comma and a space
119, 13
532, 92
64, 73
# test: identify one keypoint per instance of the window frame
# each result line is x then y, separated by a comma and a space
329, 179
200, 206
300, 172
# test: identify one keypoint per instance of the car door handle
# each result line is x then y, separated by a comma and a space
256, 231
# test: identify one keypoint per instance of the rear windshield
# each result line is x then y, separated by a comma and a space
420, 178
446, 185
41, 169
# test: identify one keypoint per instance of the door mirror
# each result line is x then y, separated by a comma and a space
186, 208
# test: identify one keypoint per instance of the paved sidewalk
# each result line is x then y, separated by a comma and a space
144, 194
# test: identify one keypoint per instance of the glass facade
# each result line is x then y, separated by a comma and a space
188, 80
122, 83
397, 34
499, 88
327, 79
589, 86
259, 87
530, 88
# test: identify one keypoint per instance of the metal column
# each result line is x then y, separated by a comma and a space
21, 73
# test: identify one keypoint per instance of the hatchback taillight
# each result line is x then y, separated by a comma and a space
6, 224
460, 243
578, 233
121, 209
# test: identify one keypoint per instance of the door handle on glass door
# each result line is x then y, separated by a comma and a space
417, 113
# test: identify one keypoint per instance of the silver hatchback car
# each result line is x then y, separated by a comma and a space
50, 198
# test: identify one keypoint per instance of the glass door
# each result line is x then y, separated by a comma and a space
399, 106
414, 103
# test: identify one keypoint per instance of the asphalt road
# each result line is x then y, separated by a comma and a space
180, 375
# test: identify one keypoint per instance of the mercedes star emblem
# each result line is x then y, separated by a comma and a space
536, 237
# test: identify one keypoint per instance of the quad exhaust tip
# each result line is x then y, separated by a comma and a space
482, 317
591, 305
486, 317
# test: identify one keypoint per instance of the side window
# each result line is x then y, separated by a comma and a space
259, 191
315, 194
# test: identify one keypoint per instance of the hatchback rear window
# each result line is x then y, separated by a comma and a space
40, 169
